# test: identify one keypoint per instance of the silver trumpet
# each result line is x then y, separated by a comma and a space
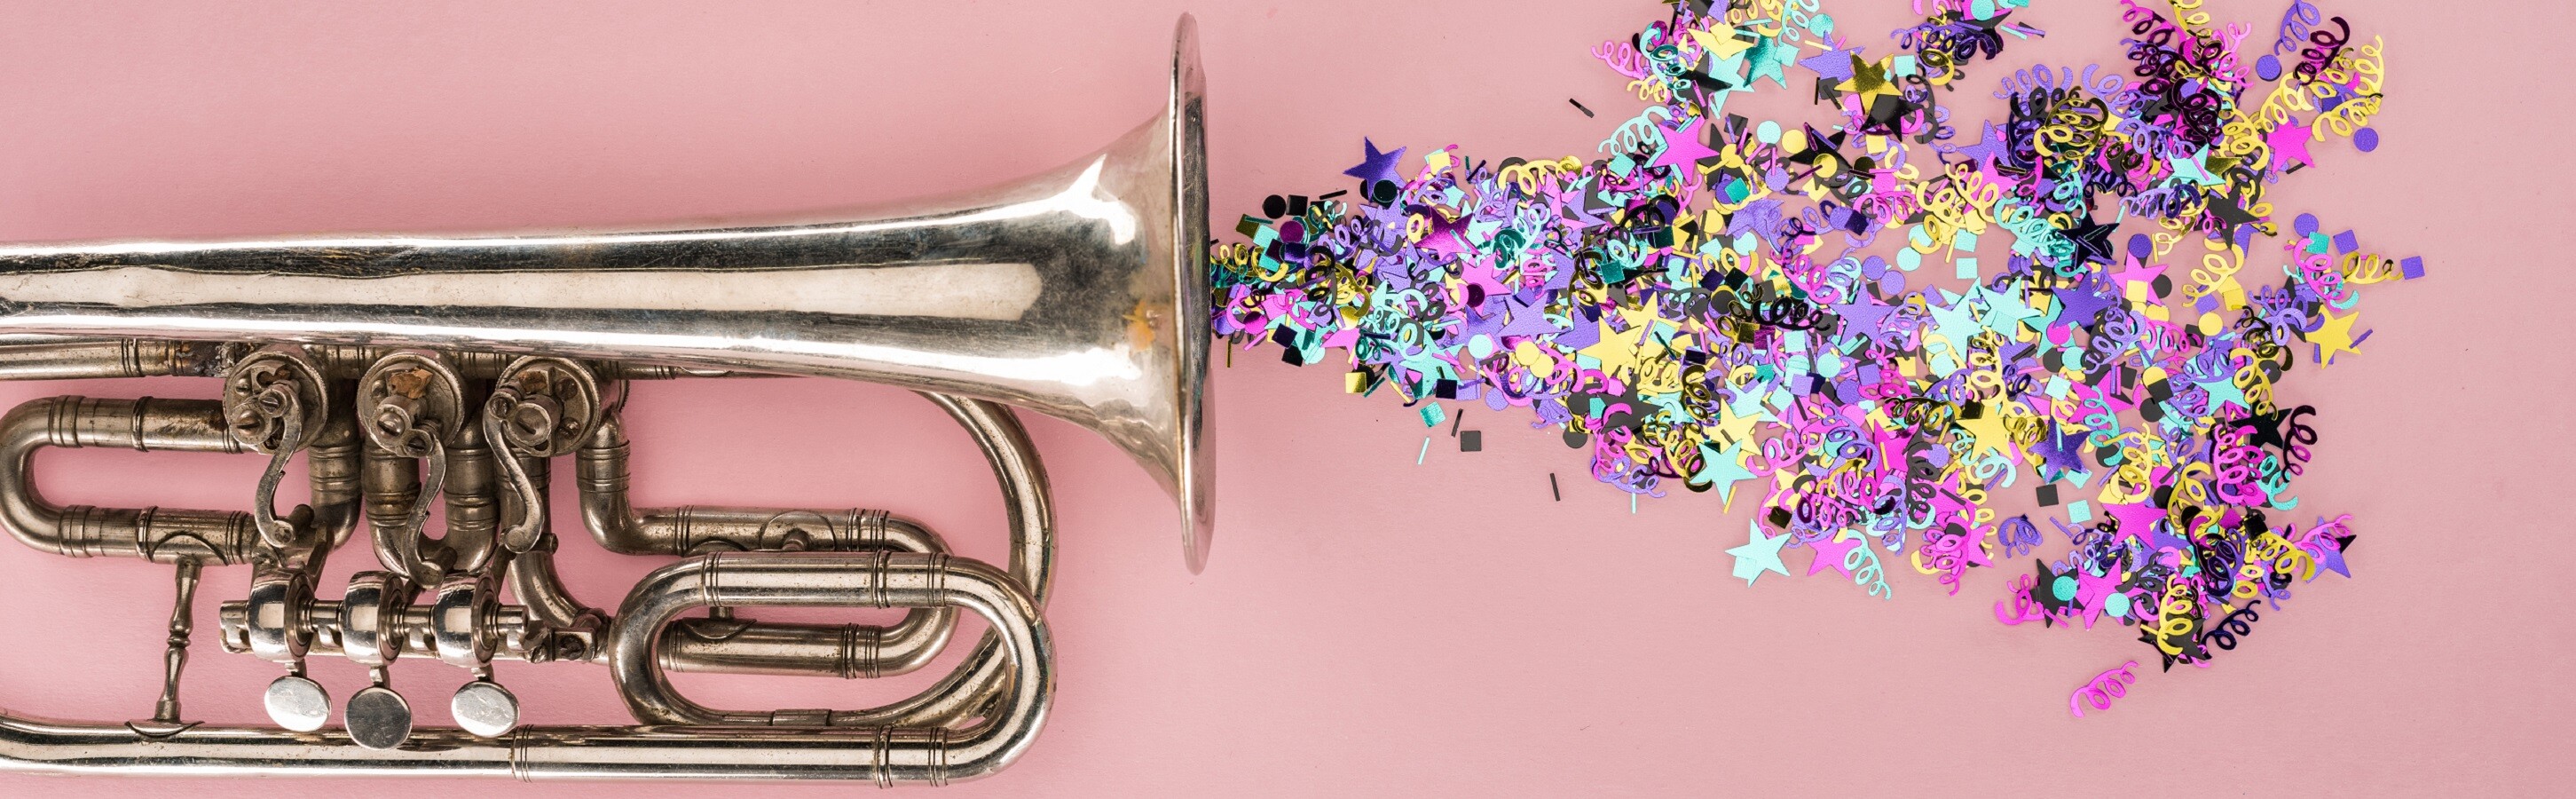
412, 369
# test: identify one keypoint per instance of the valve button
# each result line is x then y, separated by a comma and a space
485, 709
298, 703
379, 718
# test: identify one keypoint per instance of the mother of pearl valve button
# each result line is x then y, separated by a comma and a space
298, 703
379, 718
485, 709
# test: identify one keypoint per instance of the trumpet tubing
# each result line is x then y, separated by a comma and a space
460, 371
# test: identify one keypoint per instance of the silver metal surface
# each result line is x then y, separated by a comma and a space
379, 718
174, 658
484, 708
407, 370
1080, 293
883, 579
297, 703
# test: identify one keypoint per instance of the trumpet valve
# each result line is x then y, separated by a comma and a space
276, 623
369, 628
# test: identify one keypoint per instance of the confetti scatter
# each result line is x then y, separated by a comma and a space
1706, 300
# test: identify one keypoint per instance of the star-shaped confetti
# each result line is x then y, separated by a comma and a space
1831, 554
1771, 58
1376, 166
1682, 148
1759, 555
1723, 468
1868, 81
2333, 335
2289, 143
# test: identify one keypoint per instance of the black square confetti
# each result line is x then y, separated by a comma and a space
1471, 440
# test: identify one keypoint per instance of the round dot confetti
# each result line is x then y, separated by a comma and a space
1875, 324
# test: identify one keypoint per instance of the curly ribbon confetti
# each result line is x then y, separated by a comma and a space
1705, 302
2104, 687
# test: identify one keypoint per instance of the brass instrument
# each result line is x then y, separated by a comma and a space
412, 369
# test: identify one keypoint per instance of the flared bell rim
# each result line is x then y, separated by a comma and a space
1194, 487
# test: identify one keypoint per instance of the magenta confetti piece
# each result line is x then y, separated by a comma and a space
2104, 687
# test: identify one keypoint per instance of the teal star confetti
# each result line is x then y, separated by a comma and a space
1759, 555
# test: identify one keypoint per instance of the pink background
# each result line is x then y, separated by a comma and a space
1368, 626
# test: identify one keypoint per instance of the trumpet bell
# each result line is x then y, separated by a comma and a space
1079, 293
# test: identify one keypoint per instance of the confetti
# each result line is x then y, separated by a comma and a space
1709, 301
2104, 687
1759, 555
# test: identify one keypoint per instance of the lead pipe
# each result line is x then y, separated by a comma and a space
40, 356
56, 358
351, 360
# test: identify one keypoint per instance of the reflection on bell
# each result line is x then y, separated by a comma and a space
1079, 293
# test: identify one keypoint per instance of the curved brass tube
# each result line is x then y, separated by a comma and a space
389, 484
849, 651
693, 530
333, 470
724, 645
472, 497
882, 579
970, 690
157, 534
963, 694
538, 588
